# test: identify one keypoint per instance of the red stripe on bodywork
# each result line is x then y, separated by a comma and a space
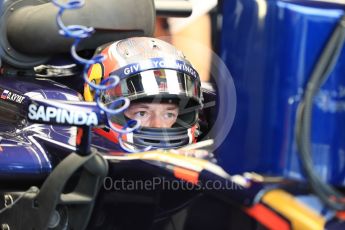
186, 174
267, 217
110, 135
79, 136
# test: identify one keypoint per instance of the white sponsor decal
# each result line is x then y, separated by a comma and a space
62, 116
159, 64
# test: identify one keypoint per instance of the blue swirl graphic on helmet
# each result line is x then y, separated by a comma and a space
79, 32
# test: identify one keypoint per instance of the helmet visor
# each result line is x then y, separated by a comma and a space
164, 83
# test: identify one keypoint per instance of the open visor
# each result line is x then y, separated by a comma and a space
159, 83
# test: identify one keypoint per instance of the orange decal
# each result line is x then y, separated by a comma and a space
341, 215
110, 135
186, 174
79, 136
267, 217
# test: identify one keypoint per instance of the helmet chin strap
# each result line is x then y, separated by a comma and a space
135, 142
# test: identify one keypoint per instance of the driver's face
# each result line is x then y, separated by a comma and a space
154, 115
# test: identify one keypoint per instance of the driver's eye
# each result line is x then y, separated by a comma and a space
141, 114
170, 115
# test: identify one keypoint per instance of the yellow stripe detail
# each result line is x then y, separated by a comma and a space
165, 156
96, 74
300, 216
88, 95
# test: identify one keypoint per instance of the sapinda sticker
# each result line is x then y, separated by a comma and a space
61, 116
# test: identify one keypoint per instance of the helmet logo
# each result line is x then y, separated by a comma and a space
95, 75
156, 63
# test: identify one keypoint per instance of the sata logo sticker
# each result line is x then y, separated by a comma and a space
7, 95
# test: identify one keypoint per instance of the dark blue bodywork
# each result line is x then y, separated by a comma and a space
270, 48
24, 146
32, 150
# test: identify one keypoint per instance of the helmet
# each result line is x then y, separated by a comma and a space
150, 71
